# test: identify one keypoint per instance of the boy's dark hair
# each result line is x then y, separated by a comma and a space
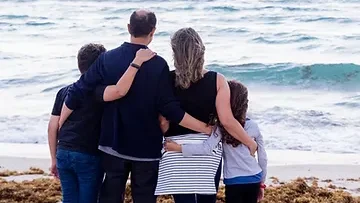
142, 25
88, 54
239, 105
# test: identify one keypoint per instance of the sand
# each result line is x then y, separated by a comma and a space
330, 171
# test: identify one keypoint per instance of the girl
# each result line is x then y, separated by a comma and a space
243, 176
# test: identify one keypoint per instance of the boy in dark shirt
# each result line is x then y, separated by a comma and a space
74, 148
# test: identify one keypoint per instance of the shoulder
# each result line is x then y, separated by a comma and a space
250, 123
114, 51
160, 61
172, 74
110, 54
251, 126
63, 92
219, 77
117, 54
60, 97
221, 82
213, 73
158, 66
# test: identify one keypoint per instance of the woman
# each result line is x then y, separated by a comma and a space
203, 94
244, 177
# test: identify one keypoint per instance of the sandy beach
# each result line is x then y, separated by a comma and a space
338, 175
339, 170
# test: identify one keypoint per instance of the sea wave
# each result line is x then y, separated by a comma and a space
222, 8
50, 78
284, 40
35, 23
329, 76
309, 119
13, 16
309, 76
327, 19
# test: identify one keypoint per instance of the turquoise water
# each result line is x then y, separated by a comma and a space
300, 60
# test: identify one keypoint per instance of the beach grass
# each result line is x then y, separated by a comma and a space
48, 190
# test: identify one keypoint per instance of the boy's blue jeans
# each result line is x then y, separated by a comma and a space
81, 176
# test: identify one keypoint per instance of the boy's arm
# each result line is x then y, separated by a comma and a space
65, 113
53, 128
262, 156
205, 148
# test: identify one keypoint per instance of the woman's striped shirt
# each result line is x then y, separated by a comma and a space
188, 175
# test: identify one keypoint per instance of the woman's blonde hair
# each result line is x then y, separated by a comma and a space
188, 52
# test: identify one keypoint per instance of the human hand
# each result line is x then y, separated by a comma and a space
209, 129
143, 55
253, 148
261, 194
170, 145
53, 169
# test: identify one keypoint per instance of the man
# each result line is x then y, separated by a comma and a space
131, 138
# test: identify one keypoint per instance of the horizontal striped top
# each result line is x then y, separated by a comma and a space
188, 175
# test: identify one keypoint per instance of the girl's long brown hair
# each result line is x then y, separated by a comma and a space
239, 105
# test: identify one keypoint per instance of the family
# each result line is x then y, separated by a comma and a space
173, 132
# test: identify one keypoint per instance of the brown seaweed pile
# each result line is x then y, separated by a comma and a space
31, 171
47, 190
44, 190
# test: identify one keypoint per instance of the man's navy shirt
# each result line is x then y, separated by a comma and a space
130, 125
81, 131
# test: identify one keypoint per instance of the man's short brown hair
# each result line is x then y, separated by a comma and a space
142, 25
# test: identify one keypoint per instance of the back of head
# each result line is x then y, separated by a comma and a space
188, 52
239, 105
88, 54
142, 23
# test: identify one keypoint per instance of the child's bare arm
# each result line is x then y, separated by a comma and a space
164, 124
65, 113
53, 127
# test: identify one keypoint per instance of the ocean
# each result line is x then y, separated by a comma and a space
299, 59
